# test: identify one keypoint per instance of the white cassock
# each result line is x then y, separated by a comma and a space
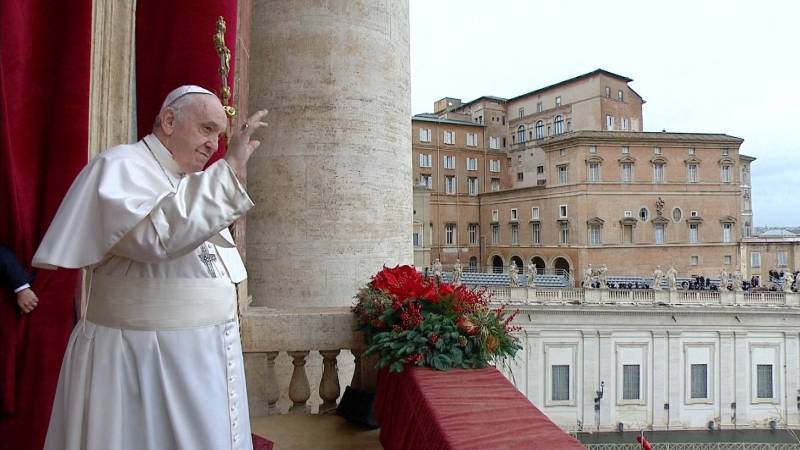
156, 363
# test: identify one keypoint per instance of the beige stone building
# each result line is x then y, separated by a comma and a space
566, 178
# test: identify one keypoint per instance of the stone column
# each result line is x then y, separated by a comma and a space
727, 378
676, 375
661, 379
332, 180
608, 369
790, 380
591, 379
742, 371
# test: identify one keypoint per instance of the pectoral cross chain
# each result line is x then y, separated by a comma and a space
208, 259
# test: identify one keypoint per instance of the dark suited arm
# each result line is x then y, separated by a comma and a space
12, 272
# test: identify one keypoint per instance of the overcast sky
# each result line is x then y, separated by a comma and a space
702, 66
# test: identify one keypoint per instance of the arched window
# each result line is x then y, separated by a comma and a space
521, 134
473, 264
558, 124
539, 130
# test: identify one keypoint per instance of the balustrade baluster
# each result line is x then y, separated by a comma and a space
329, 385
299, 390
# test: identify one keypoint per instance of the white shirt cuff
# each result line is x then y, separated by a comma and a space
22, 288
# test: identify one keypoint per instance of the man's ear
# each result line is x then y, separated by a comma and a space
168, 121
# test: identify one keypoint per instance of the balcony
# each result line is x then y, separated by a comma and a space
298, 361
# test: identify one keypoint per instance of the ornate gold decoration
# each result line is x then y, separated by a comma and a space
224, 66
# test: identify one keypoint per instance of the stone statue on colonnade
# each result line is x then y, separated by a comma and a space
437, 269
658, 278
457, 270
513, 274
672, 278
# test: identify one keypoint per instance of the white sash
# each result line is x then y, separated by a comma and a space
160, 303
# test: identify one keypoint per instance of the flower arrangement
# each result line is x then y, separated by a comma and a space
410, 319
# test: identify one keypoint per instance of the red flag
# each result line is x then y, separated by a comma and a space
645, 445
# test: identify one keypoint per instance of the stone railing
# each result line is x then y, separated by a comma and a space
524, 295
275, 385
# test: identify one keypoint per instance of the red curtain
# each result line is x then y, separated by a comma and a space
44, 110
175, 46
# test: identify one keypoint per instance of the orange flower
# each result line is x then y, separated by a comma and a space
492, 343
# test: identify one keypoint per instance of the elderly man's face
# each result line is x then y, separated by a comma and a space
195, 132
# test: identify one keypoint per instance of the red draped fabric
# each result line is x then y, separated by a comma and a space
44, 112
175, 46
423, 409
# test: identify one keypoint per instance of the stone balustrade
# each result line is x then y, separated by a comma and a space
525, 295
299, 334
325, 337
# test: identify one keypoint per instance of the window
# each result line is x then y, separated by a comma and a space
726, 260
699, 381
535, 213
472, 139
608, 92
514, 234
558, 124
624, 123
521, 112
514, 214
609, 122
426, 181
449, 161
450, 184
495, 215
764, 381
493, 143
692, 175
560, 387
626, 150
473, 264
676, 214
539, 107
520, 176
562, 211
626, 172
472, 233
755, 259
658, 172
472, 163
495, 234
657, 150
595, 234
558, 101
627, 234
644, 214
727, 229
562, 174
660, 232
564, 234
562, 152
748, 230
593, 173
425, 160
521, 134
691, 151
619, 95
694, 260
449, 137
694, 229
495, 184
630, 382
536, 233
725, 174
450, 234
539, 169
494, 165
593, 149
539, 129
425, 134
417, 239
781, 259
472, 186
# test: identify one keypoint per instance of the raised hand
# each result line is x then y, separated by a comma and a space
242, 146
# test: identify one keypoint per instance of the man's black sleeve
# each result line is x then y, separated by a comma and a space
12, 272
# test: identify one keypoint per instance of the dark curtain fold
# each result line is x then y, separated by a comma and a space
175, 46
45, 50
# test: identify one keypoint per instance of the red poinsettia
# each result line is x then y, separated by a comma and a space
403, 283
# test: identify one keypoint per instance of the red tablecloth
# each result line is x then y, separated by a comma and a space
423, 409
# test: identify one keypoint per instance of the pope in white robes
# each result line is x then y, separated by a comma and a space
156, 362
